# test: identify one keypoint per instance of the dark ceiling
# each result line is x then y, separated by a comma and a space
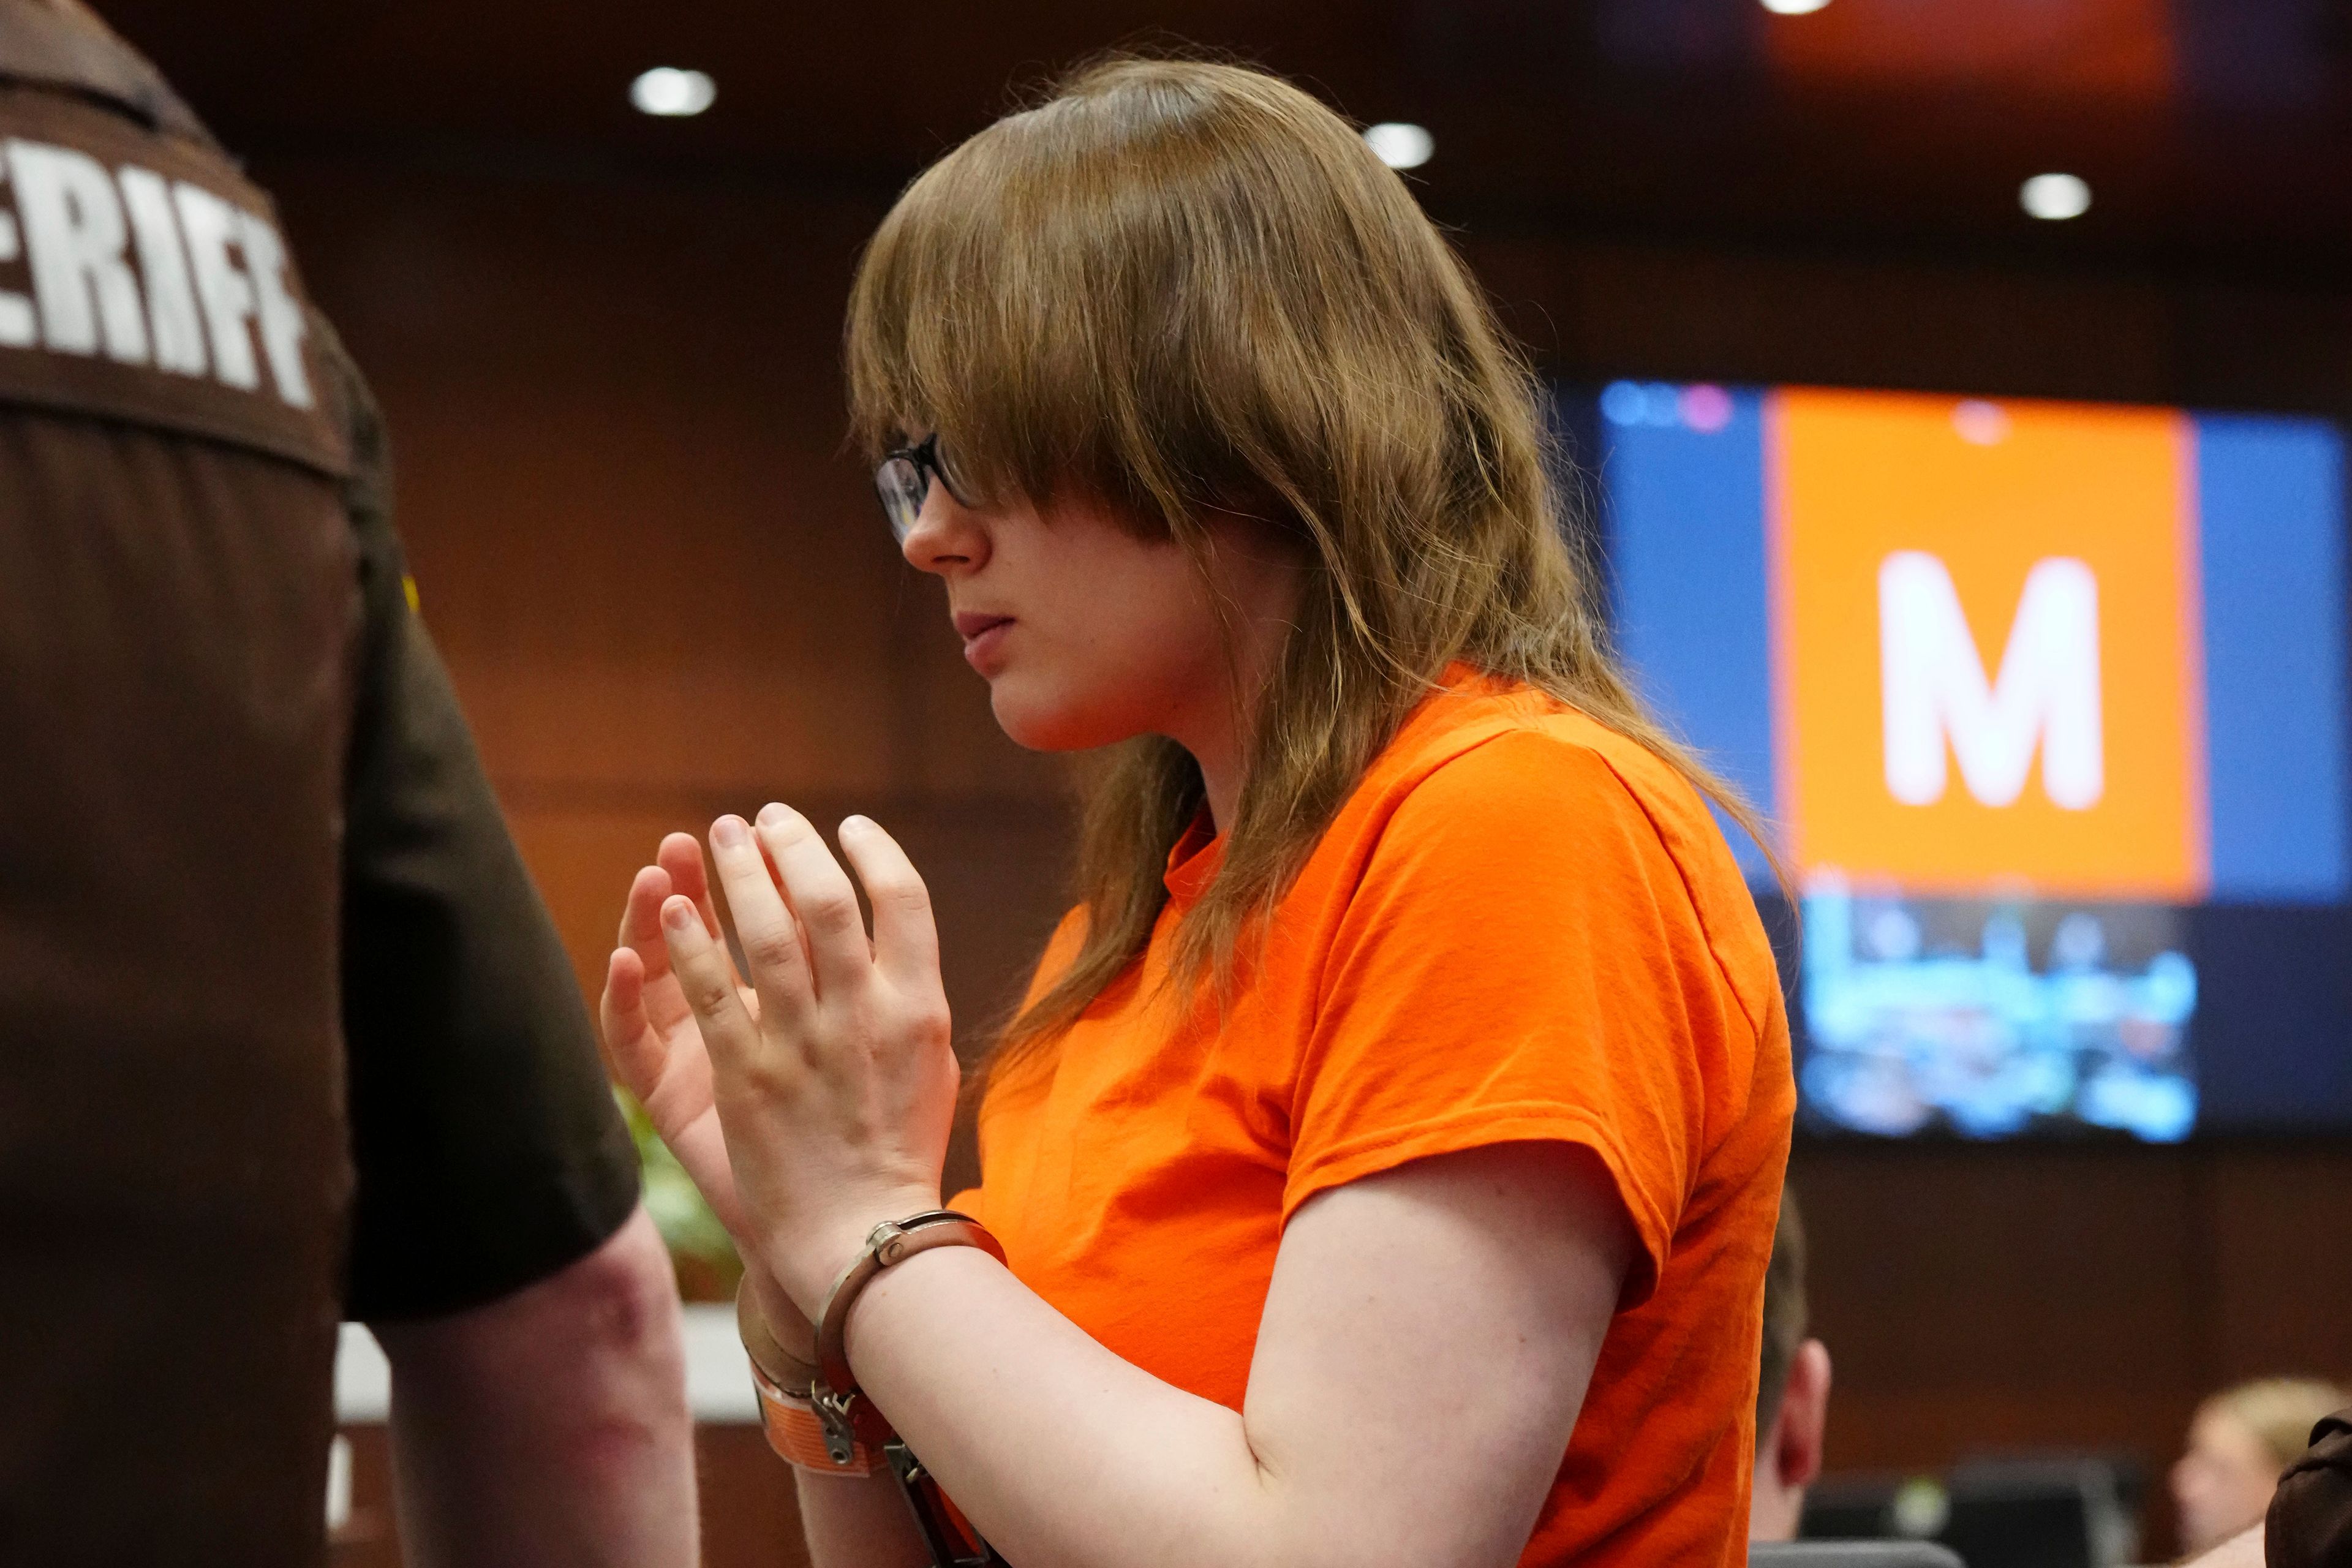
2216, 134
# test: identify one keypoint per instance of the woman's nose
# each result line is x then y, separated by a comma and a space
947, 537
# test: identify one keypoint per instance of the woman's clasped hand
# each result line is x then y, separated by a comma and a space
810, 1100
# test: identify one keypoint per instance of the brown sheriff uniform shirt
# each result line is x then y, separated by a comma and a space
285, 1033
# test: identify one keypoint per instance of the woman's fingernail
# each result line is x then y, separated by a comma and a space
855, 824
774, 814
678, 914
729, 831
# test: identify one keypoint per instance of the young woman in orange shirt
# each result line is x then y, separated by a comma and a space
1385, 1162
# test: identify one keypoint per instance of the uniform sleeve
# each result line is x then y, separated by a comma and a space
488, 1152
1520, 961
2310, 1520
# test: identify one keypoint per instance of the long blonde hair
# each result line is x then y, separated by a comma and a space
1181, 286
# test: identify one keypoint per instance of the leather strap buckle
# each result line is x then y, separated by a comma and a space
847, 1414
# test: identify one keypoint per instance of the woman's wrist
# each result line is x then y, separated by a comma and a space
811, 1262
791, 1328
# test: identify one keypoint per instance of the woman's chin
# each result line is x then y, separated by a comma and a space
1042, 722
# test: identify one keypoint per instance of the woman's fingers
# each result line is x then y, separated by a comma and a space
634, 1052
905, 937
680, 855
641, 932
771, 937
641, 917
823, 898
728, 1036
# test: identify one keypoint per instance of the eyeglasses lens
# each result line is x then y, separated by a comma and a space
902, 484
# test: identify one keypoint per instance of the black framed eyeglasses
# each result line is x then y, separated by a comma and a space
904, 477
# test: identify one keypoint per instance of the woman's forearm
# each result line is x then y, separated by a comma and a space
1421, 1359
1059, 1452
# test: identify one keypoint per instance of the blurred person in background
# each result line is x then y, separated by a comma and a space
2239, 1443
1385, 1164
2309, 1522
1793, 1397
285, 1033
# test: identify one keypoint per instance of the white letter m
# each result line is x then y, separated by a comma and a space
1934, 686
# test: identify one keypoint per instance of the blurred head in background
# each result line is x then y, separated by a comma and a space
1793, 1397
2238, 1443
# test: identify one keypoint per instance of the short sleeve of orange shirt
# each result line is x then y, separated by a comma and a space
1501, 980
1521, 926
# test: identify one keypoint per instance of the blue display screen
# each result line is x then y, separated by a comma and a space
2048, 705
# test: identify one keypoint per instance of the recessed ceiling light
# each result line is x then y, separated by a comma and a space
667, 90
1794, 7
1399, 145
2054, 196
1979, 423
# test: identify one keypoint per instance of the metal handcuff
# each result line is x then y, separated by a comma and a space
818, 1418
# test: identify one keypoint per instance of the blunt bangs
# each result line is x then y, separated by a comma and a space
1174, 286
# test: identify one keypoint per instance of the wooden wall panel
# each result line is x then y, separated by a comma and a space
1619, 309
618, 432
1601, 309
1938, 1270
2282, 1268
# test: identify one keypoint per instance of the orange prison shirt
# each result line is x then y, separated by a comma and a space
1520, 926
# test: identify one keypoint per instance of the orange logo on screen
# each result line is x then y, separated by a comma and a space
1985, 643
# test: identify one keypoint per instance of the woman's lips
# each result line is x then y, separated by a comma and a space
982, 636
